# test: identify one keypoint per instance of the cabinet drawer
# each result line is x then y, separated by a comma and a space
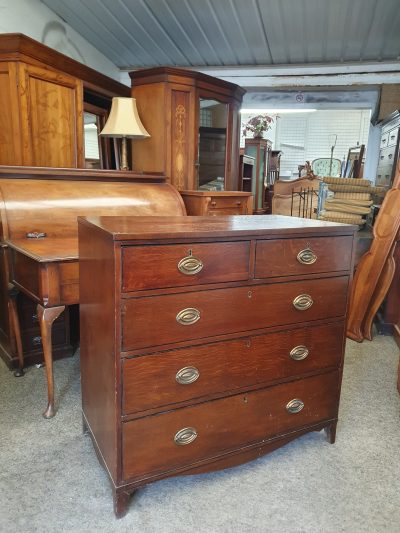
386, 156
392, 136
150, 267
157, 320
150, 444
227, 202
226, 211
187, 373
288, 257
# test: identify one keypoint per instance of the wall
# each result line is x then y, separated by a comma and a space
35, 20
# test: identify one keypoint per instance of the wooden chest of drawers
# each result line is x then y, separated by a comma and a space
207, 342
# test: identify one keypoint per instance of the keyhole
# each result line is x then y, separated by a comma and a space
249, 294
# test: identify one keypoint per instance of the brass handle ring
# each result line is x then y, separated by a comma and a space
188, 316
187, 375
298, 353
303, 302
294, 406
185, 436
190, 265
306, 257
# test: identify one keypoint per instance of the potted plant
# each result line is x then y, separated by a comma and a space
257, 125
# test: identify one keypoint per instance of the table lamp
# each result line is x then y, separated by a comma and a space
124, 123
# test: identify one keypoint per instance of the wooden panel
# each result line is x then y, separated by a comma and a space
97, 344
150, 381
225, 424
145, 267
279, 257
53, 206
181, 132
10, 142
51, 109
152, 321
152, 154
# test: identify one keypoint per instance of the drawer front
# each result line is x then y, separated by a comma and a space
289, 257
32, 340
227, 202
178, 438
386, 156
187, 373
392, 136
225, 211
384, 176
158, 320
150, 267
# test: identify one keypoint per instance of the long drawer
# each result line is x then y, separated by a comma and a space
157, 320
181, 437
290, 257
192, 372
150, 267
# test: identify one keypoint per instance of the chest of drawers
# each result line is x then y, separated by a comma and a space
216, 203
206, 342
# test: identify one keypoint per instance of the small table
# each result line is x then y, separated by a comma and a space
47, 271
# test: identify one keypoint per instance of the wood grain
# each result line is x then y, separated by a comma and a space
151, 321
372, 264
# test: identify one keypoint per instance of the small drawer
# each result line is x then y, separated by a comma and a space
151, 267
386, 156
292, 257
383, 179
32, 340
392, 136
184, 436
227, 202
384, 140
157, 380
225, 211
157, 320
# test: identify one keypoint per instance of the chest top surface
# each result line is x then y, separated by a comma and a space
123, 228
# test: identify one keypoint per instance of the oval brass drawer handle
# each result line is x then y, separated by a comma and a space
190, 265
185, 436
187, 375
298, 353
188, 316
303, 302
294, 406
306, 256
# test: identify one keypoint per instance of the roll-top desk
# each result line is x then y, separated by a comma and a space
208, 341
39, 241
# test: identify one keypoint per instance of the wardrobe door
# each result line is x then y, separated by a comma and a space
51, 117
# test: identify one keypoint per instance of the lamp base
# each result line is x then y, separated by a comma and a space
124, 155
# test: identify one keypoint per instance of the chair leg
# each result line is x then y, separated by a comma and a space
46, 316
12, 302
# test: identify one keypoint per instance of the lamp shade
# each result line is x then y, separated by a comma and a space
124, 120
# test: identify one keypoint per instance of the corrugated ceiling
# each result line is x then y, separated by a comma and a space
139, 33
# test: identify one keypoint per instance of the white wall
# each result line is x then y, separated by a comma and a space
36, 20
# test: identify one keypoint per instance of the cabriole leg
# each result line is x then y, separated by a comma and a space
46, 316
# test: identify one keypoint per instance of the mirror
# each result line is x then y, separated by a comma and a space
92, 143
213, 119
